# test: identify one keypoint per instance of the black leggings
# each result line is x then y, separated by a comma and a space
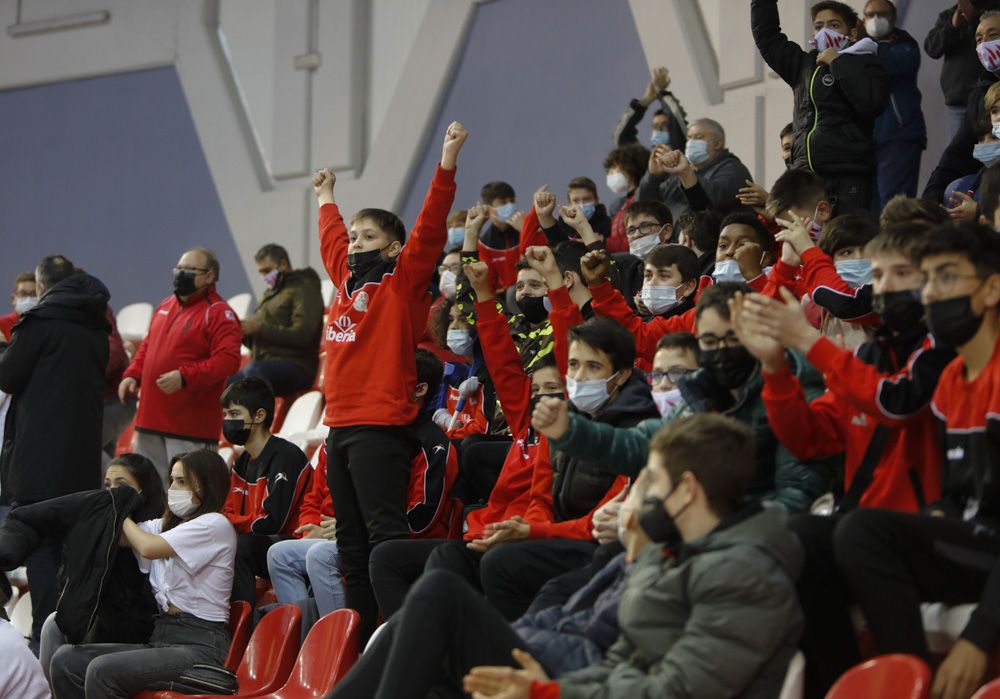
444, 630
368, 471
893, 561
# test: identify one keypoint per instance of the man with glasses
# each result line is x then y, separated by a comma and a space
676, 357
876, 413
192, 347
728, 382
893, 561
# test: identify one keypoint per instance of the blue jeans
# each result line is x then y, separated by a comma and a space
291, 562
898, 169
284, 378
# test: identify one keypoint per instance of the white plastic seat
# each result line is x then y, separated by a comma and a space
21, 617
241, 305
327, 288
133, 320
304, 414
15, 595
795, 678
227, 455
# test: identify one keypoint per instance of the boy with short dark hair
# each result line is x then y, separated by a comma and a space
840, 89
267, 481
677, 356
581, 192
499, 240
893, 561
377, 316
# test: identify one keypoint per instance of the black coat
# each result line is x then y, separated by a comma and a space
54, 371
835, 107
957, 46
104, 598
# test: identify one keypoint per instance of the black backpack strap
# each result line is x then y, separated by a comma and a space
866, 469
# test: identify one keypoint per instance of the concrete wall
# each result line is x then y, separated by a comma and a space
254, 94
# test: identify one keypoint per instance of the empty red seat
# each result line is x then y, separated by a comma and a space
239, 630
268, 660
327, 655
897, 676
990, 691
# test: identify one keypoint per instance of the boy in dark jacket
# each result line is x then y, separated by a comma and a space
266, 483
840, 91
284, 332
377, 318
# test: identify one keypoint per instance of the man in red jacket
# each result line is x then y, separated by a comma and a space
377, 317
192, 347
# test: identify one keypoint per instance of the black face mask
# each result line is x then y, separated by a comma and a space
361, 263
953, 322
235, 431
899, 310
660, 526
184, 283
536, 398
729, 366
534, 308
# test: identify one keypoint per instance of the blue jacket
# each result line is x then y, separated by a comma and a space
579, 633
903, 119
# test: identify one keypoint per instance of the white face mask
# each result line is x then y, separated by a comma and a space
447, 284
877, 27
617, 182
456, 237
589, 396
727, 271
658, 299
827, 38
460, 342
181, 502
696, 151
667, 400
989, 55
25, 304
640, 247
856, 273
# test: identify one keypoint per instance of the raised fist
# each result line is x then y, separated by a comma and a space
323, 181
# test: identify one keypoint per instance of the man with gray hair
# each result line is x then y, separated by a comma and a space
705, 175
192, 347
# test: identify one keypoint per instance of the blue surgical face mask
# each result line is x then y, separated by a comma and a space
660, 138
986, 153
456, 238
588, 209
460, 342
996, 130
589, 396
856, 273
696, 151
506, 211
727, 271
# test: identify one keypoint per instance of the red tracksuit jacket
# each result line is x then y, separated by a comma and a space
201, 338
372, 335
859, 397
472, 420
264, 492
432, 475
512, 493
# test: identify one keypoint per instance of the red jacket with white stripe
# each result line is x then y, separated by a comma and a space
202, 339
264, 492
376, 322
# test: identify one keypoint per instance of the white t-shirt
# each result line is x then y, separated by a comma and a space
199, 578
20, 674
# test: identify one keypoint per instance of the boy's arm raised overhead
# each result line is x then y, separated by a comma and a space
419, 257
332, 231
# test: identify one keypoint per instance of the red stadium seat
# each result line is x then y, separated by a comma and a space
328, 653
268, 660
898, 676
239, 629
990, 691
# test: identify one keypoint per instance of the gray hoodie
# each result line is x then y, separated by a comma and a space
722, 620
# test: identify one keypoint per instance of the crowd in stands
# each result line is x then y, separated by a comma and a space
657, 446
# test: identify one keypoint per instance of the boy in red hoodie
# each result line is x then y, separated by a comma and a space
377, 318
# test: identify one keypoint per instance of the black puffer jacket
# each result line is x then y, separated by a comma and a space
579, 484
54, 370
104, 598
835, 107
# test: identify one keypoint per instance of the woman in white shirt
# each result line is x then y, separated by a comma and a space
190, 556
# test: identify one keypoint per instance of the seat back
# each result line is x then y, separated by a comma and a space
271, 652
327, 288
133, 320
328, 653
304, 414
989, 691
898, 676
239, 630
795, 678
240, 305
